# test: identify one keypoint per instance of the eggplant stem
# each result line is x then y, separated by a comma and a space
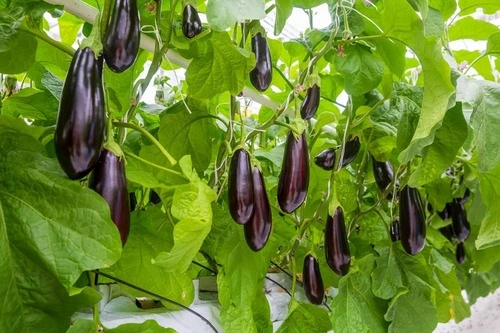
159, 167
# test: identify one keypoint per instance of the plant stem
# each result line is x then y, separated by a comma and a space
106, 13
474, 62
294, 279
95, 308
149, 136
39, 34
159, 167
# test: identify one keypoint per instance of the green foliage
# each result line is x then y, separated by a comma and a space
415, 99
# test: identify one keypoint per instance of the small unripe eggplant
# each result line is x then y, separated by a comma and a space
108, 179
460, 253
81, 120
121, 43
240, 187
258, 229
312, 282
395, 230
412, 220
261, 75
294, 176
191, 23
383, 173
337, 253
326, 159
461, 227
311, 102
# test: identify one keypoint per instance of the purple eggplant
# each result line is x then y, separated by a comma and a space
311, 102
240, 187
395, 230
337, 253
411, 220
261, 76
191, 23
461, 227
460, 253
312, 281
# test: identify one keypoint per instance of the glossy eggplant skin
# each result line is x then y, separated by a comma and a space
240, 187
383, 173
261, 76
461, 227
191, 23
81, 120
337, 253
326, 159
121, 43
109, 180
412, 220
445, 214
294, 177
311, 102
312, 281
460, 253
258, 229
395, 230
351, 150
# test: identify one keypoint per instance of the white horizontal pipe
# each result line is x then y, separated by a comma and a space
88, 13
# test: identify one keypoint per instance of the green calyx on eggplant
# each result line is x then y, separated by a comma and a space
460, 253
326, 159
312, 281
411, 220
81, 119
261, 75
337, 253
258, 229
240, 187
461, 227
121, 42
109, 180
311, 102
294, 176
395, 230
191, 23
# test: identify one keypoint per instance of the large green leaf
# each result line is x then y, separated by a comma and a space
187, 132
493, 46
387, 277
306, 318
150, 234
222, 67
51, 230
470, 6
402, 23
32, 104
23, 44
222, 14
461, 29
362, 70
283, 10
355, 308
442, 152
191, 205
149, 326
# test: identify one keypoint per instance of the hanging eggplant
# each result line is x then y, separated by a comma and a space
461, 227
460, 253
337, 253
311, 102
81, 119
191, 23
261, 75
447, 232
258, 229
412, 220
121, 43
240, 187
383, 173
445, 214
108, 179
395, 230
294, 177
326, 159
312, 281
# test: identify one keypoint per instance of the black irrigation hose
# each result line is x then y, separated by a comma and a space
159, 297
300, 283
268, 278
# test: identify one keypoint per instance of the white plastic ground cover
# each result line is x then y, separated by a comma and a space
117, 309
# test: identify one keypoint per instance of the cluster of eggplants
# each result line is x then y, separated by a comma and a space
311, 102
411, 220
294, 177
191, 23
337, 253
108, 179
248, 201
459, 227
121, 42
326, 159
261, 75
312, 281
383, 173
81, 119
